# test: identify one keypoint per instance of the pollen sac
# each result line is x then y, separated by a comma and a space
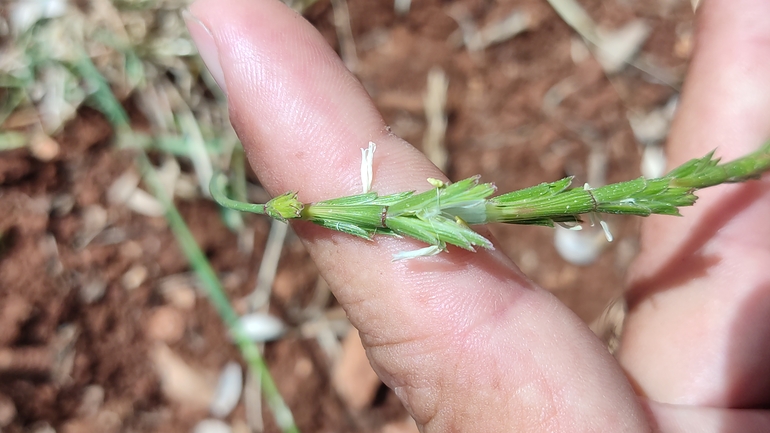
437, 183
284, 207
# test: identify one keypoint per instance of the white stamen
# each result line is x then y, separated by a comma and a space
437, 183
570, 225
422, 252
579, 248
606, 229
367, 158
593, 217
472, 211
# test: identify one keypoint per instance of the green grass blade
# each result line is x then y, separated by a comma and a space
106, 102
217, 188
217, 296
10, 140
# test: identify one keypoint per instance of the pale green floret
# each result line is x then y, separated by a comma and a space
471, 212
361, 215
438, 230
284, 207
467, 192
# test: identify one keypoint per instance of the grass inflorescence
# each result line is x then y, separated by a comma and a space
443, 215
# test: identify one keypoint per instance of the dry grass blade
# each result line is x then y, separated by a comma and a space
435, 113
613, 49
267, 269
478, 39
345, 34
402, 6
609, 325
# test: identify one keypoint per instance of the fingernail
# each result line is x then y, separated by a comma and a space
207, 48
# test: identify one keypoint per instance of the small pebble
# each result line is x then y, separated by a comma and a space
240, 426
649, 127
144, 203
166, 324
180, 382
7, 411
42, 427
134, 277
578, 50
261, 328
43, 147
62, 204
63, 345
402, 6
228, 392
186, 187
122, 188
91, 401
23, 15
580, 247
653, 161
131, 250
212, 426
94, 218
181, 297
618, 47
303, 368
92, 291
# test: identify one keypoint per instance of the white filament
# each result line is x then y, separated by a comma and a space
367, 159
422, 252
606, 229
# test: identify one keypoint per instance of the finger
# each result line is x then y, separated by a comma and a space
697, 332
464, 339
688, 419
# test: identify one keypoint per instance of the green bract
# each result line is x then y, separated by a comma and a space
441, 216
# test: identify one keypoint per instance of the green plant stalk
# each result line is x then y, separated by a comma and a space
10, 140
442, 215
232, 218
105, 101
217, 296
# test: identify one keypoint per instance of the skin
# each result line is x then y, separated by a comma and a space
466, 340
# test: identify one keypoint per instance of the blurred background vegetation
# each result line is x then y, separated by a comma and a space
109, 244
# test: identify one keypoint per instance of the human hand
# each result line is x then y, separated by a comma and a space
464, 339
697, 333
